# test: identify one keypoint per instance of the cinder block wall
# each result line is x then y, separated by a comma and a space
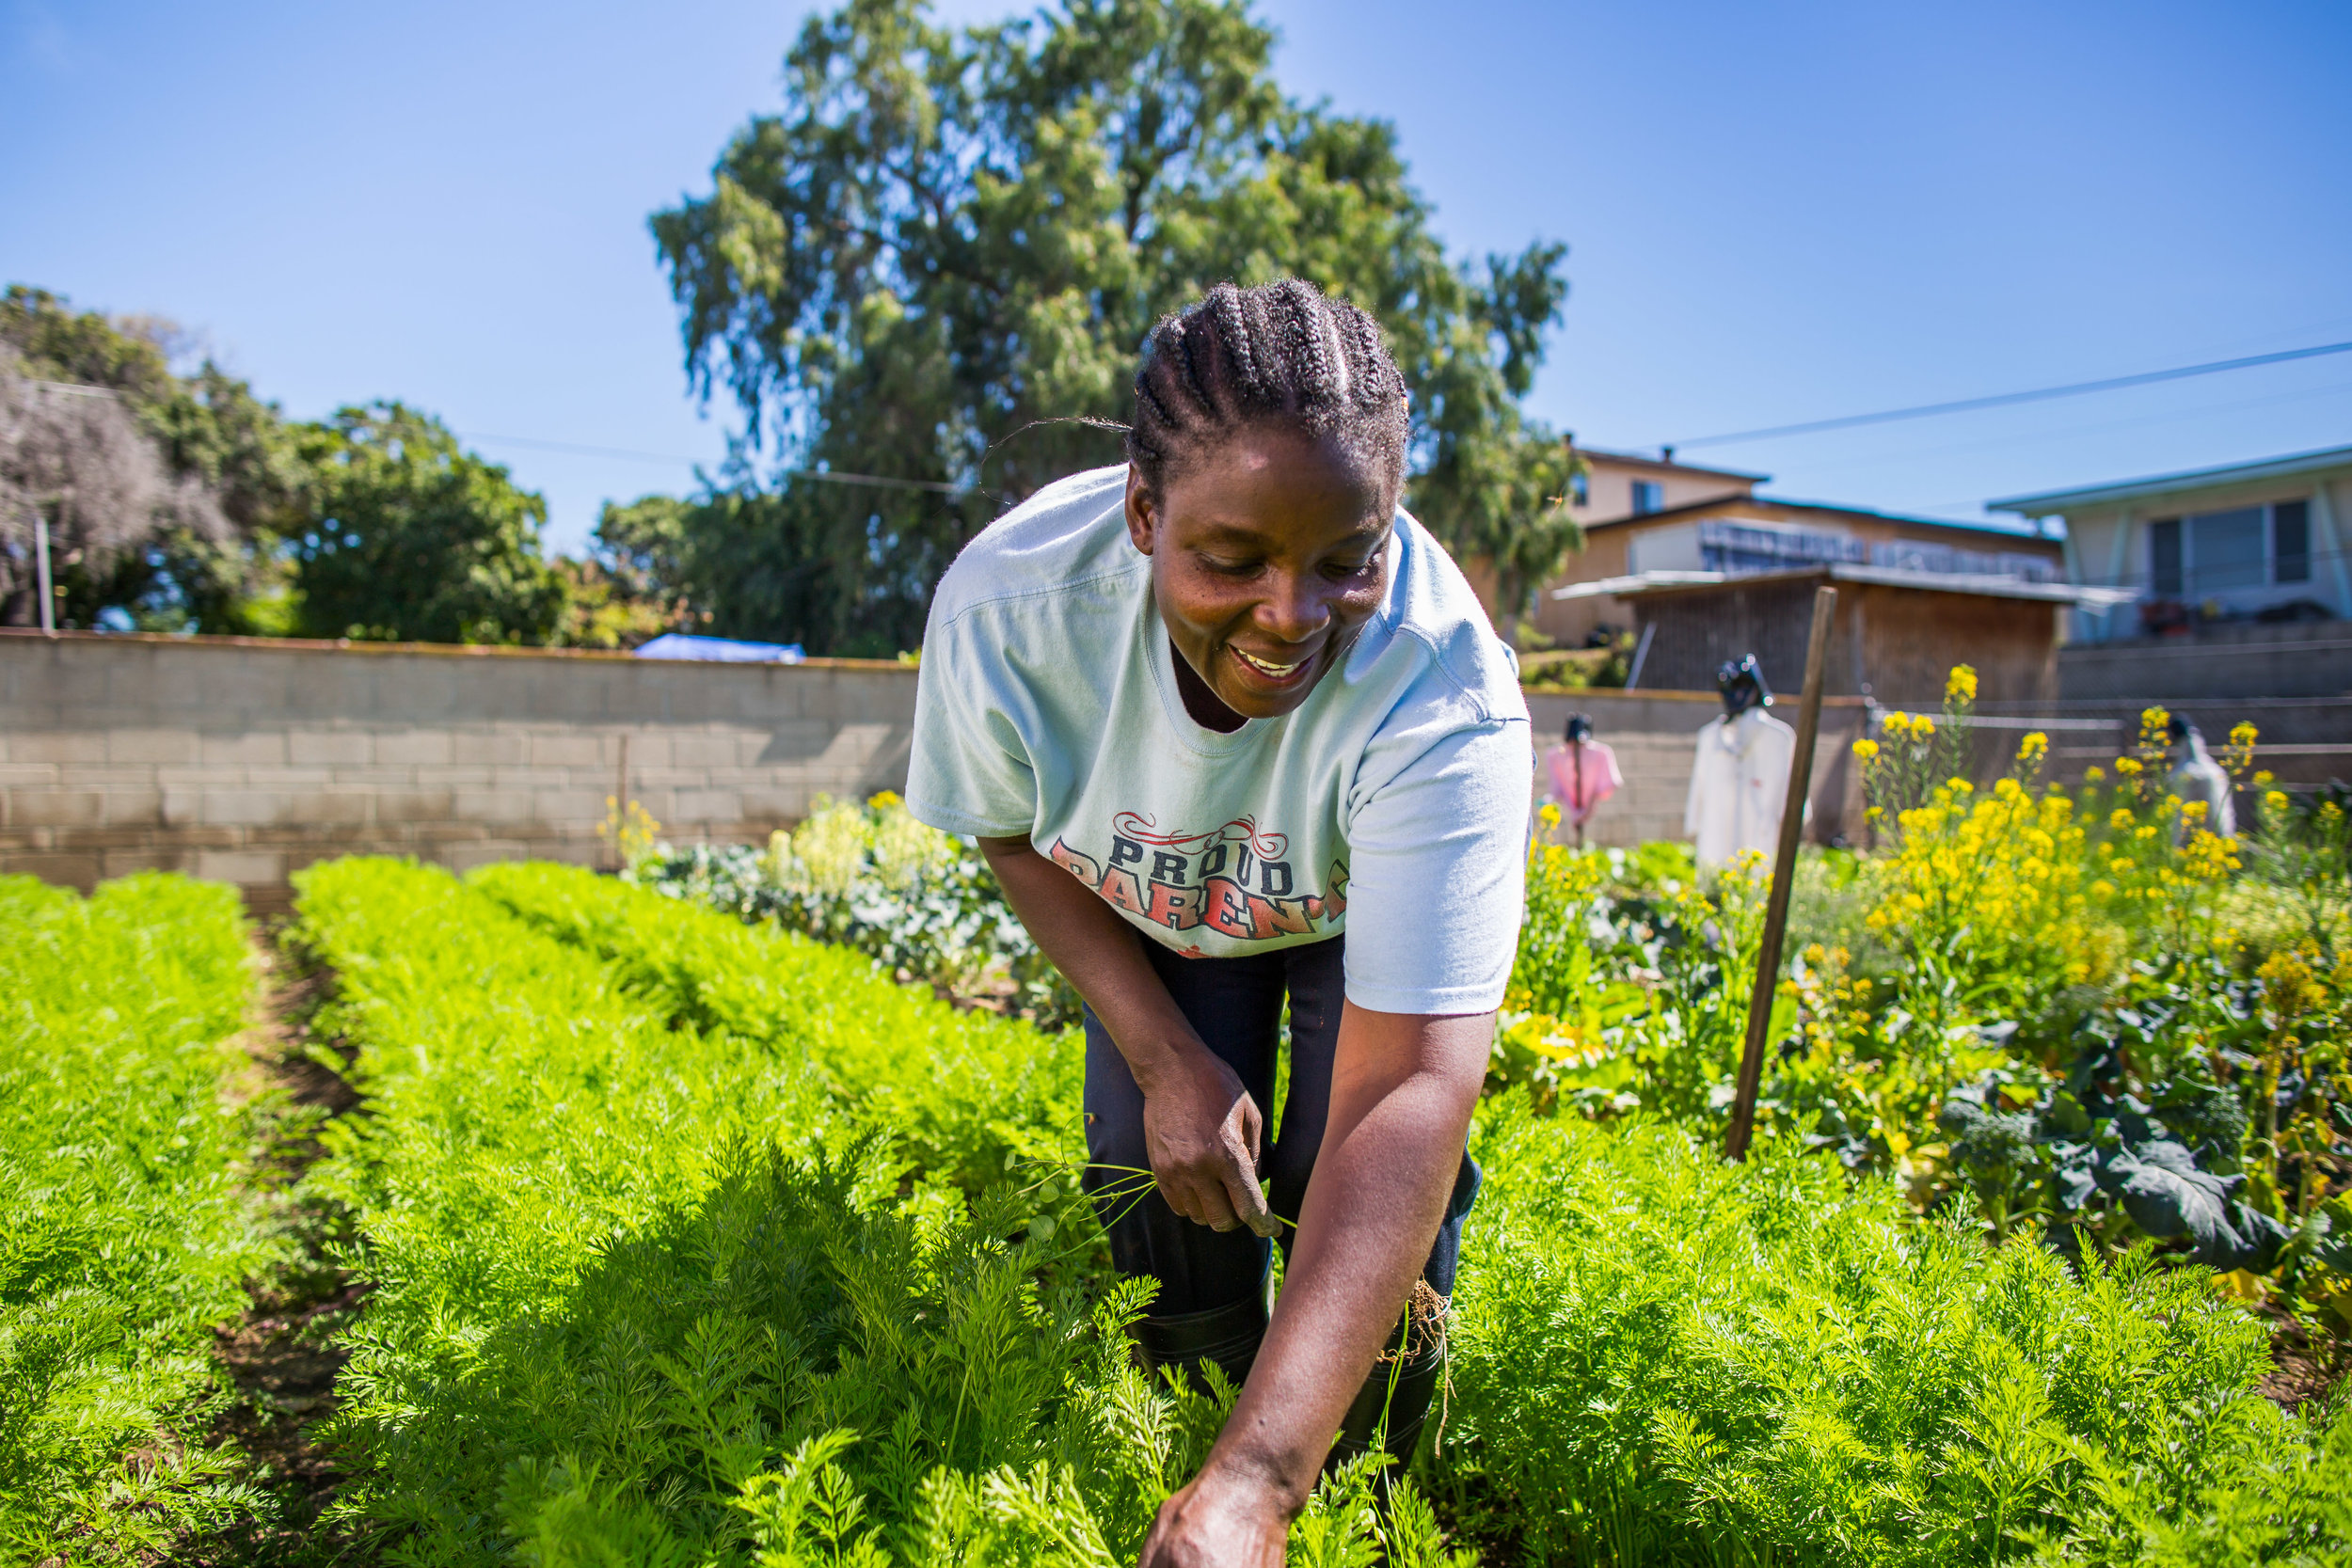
244, 759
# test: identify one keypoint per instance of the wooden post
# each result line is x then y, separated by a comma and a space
1783, 873
620, 811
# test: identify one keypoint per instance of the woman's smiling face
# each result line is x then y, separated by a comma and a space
1267, 556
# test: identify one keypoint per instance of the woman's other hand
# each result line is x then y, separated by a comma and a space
1221, 1520
1205, 1133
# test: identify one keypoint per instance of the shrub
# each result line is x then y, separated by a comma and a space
921, 902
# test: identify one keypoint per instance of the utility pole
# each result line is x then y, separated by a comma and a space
41, 558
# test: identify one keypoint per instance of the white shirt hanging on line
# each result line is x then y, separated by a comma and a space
2200, 778
1738, 785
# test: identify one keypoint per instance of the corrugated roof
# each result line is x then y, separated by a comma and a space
1998, 531
1983, 584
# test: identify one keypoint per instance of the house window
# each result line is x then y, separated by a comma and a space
1580, 488
1648, 496
2219, 552
2164, 559
2290, 541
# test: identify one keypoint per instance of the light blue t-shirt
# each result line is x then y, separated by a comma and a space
1392, 804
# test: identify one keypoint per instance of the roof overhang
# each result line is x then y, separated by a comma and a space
2054, 502
1983, 585
1819, 513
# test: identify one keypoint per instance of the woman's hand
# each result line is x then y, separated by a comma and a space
1219, 1522
1201, 1126
1204, 1134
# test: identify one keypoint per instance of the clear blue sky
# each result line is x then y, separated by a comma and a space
1775, 212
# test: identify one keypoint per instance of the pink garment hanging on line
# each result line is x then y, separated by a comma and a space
1583, 774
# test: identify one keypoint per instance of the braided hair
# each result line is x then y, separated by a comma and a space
1282, 353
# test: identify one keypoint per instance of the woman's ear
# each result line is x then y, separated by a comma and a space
1144, 514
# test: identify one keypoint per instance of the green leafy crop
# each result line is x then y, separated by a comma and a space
124, 1232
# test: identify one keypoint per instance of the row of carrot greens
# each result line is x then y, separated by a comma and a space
130, 1214
703, 1241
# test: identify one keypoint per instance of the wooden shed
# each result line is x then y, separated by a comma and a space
1898, 631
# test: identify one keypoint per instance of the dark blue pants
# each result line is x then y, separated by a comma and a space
1236, 1007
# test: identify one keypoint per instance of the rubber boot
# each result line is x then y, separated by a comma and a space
1403, 1384
1229, 1336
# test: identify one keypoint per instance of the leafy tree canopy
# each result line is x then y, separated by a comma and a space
946, 250
414, 539
373, 524
229, 456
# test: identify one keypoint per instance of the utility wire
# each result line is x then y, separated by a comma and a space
829, 476
2001, 400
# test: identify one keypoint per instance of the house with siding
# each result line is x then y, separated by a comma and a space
1646, 516
2261, 542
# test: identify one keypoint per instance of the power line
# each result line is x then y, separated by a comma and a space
829, 476
2001, 400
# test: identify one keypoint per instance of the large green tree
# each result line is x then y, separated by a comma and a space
945, 252
414, 539
232, 479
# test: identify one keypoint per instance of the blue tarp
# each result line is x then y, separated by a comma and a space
720, 650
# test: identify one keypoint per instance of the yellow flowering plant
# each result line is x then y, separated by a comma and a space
1913, 752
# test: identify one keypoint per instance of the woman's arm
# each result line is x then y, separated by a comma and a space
1204, 1130
1402, 1088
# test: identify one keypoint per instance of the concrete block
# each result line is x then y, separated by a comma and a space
465, 857
130, 836
489, 746
285, 781
76, 871
146, 857
32, 775
324, 807
154, 745
412, 804
713, 748
28, 745
252, 748
310, 747
582, 806
707, 806
568, 749
795, 741
56, 808
243, 807
455, 777
495, 805
647, 748
246, 866
416, 746
775, 803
